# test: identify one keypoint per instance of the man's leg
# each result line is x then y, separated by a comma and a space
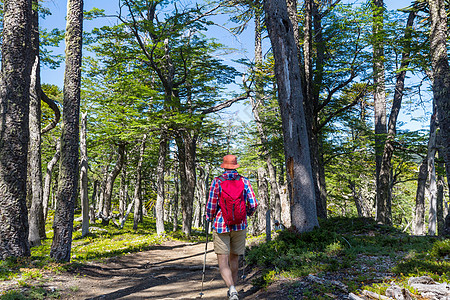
225, 271
234, 266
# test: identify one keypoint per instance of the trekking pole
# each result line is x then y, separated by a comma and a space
243, 267
204, 260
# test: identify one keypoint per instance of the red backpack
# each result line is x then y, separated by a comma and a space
231, 200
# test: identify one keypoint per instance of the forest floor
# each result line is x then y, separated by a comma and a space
172, 270
342, 256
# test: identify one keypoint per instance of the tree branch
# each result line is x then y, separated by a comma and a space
225, 104
339, 111
54, 107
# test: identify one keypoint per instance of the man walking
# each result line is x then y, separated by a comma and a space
231, 200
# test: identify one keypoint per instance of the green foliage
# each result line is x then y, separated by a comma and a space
300, 254
13, 295
337, 246
441, 249
433, 261
30, 293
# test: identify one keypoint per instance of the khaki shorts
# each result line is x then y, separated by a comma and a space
229, 242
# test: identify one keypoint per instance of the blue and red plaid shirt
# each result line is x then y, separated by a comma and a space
213, 210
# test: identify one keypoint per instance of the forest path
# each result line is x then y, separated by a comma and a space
172, 270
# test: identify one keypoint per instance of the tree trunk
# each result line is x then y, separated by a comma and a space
257, 103
263, 201
419, 227
160, 172
110, 181
68, 175
441, 75
202, 190
316, 140
440, 193
379, 97
310, 103
14, 109
48, 179
384, 194
101, 193
36, 214
138, 186
175, 205
290, 98
431, 171
188, 191
83, 177
123, 191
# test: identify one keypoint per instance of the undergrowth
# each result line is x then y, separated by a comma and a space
341, 245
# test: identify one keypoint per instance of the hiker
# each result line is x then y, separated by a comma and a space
229, 222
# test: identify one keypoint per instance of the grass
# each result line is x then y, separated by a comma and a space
343, 245
102, 242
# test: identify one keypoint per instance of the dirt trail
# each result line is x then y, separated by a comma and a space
169, 271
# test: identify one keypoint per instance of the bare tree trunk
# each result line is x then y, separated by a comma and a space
138, 187
360, 204
123, 191
68, 175
190, 144
290, 98
83, 177
14, 109
160, 172
419, 227
48, 179
110, 181
175, 205
202, 191
36, 214
263, 202
379, 95
431, 171
101, 196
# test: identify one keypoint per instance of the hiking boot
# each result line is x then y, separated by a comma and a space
232, 296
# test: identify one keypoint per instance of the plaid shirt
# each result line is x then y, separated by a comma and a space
213, 210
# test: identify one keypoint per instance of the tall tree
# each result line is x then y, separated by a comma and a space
36, 214
257, 103
290, 99
14, 135
68, 175
384, 173
379, 98
441, 75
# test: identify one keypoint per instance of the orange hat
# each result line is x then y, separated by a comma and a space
230, 162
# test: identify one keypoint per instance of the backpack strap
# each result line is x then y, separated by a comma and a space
222, 178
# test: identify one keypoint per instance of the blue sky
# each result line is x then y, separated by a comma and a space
243, 43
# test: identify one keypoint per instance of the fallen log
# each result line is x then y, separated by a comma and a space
352, 296
375, 295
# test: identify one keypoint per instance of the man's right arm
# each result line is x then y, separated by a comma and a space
211, 205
